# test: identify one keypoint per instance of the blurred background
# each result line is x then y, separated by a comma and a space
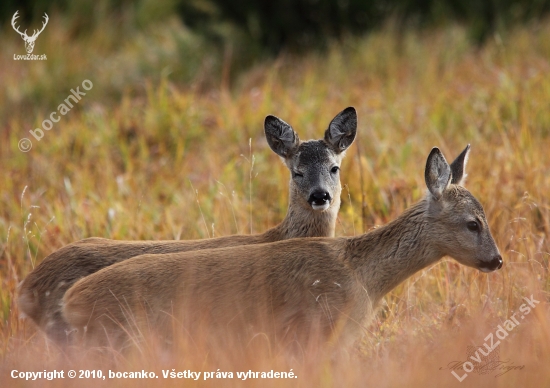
169, 144
286, 24
205, 42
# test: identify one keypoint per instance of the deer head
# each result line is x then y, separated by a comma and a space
29, 40
314, 164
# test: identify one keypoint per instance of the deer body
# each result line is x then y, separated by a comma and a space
289, 290
313, 208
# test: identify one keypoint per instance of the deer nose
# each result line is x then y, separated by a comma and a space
497, 260
494, 264
319, 197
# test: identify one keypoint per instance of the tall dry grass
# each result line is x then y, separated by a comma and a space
146, 155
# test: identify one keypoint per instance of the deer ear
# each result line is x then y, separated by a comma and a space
280, 136
458, 167
342, 130
438, 173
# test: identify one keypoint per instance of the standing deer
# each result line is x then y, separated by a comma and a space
291, 291
29, 40
313, 207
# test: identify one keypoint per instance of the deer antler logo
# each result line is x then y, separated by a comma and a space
29, 40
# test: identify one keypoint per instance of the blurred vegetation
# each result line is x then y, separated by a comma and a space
200, 44
161, 148
294, 24
299, 24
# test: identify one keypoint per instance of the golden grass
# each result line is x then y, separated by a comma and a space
147, 156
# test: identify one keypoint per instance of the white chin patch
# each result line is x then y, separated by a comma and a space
320, 207
486, 270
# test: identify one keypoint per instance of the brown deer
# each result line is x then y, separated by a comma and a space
312, 211
294, 291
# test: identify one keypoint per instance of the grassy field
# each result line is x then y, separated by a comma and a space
168, 144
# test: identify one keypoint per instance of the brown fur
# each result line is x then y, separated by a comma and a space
41, 293
293, 291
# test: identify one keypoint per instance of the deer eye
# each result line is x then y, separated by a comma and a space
473, 226
334, 169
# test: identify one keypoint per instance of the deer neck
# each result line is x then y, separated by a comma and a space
390, 254
302, 221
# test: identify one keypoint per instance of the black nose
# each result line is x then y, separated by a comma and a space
319, 198
494, 264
